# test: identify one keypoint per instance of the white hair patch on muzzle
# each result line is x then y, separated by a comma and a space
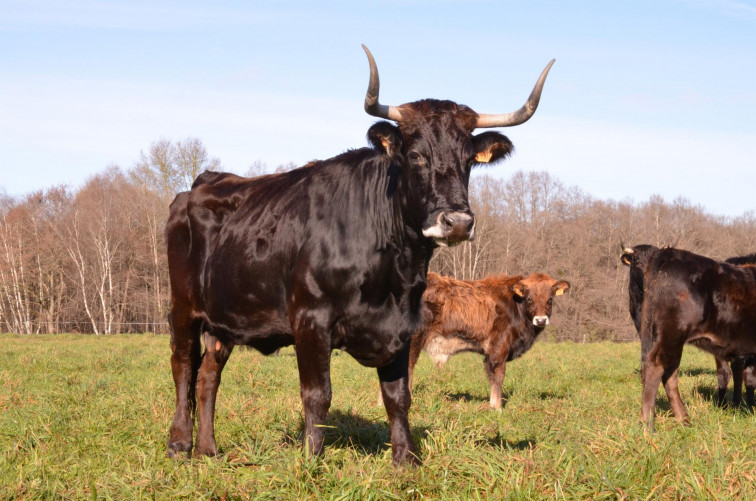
540, 321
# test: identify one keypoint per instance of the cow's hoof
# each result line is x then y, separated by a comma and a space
178, 451
408, 460
204, 451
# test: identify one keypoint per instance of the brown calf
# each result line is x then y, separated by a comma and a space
498, 316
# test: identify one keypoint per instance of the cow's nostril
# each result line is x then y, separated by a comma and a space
448, 221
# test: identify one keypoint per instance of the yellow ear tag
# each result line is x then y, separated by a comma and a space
385, 143
559, 292
483, 157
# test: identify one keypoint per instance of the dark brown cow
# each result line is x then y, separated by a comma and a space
499, 317
332, 256
692, 299
637, 259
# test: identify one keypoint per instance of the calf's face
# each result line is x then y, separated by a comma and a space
537, 293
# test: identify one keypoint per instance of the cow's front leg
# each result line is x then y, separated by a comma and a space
495, 372
313, 348
209, 378
416, 347
397, 399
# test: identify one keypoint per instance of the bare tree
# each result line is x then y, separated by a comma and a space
172, 168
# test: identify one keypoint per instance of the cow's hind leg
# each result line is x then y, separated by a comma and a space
397, 399
185, 361
723, 379
749, 375
675, 401
209, 378
661, 364
651, 376
737, 366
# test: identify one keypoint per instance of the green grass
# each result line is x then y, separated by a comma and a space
88, 417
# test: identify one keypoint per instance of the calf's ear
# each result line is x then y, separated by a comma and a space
520, 290
490, 147
385, 137
560, 287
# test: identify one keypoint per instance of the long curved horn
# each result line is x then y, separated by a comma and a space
372, 106
523, 114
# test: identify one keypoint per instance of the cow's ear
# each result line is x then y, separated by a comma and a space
490, 147
560, 287
627, 258
385, 137
520, 290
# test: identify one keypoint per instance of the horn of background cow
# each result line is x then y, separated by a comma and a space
523, 114
625, 249
372, 106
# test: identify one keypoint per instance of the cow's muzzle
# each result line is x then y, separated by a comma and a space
451, 227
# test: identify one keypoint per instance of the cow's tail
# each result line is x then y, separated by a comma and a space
647, 327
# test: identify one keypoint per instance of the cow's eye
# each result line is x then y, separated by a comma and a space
416, 158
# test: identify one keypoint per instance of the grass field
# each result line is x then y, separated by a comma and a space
87, 417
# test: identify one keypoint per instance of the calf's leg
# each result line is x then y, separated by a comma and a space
416, 346
209, 378
495, 372
185, 362
397, 399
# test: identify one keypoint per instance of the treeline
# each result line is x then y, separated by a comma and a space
93, 259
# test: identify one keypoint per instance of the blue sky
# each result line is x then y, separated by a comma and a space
646, 97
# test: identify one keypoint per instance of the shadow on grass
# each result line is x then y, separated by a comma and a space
698, 371
550, 395
500, 442
710, 394
350, 431
463, 396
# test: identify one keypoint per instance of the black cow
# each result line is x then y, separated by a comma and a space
692, 299
637, 258
333, 255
